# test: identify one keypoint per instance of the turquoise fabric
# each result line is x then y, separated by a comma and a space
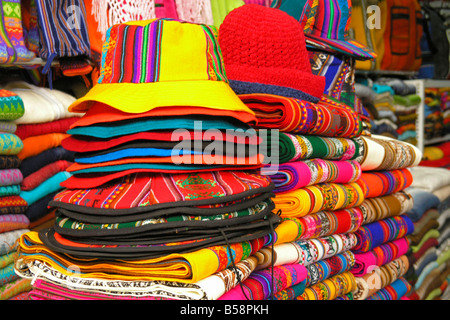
48, 186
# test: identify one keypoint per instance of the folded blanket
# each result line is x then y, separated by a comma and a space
262, 284
11, 105
310, 251
366, 262
378, 279
48, 186
33, 164
36, 178
376, 233
9, 162
423, 201
383, 153
326, 223
10, 177
378, 208
395, 291
325, 118
7, 126
11, 222
294, 147
8, 240
331, 288
380, 183
14, 287
12, 190
32, 146
295, 175
10, 144
320, 197
24, 131
430, 178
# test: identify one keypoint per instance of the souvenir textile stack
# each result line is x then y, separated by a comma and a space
430, 250
43, 162
164, 191
315, 138
380, 254
437, 113
13, 220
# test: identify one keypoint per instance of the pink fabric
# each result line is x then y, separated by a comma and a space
43, 290
368, 261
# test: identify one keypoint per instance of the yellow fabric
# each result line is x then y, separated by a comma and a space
361, 34
379, 34
432, 153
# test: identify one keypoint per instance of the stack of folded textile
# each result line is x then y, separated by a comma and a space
382, 243
406, 111
436, 156
164, 191
385, 122
42, 128
313, 146
430, 243
434, 120
13, 221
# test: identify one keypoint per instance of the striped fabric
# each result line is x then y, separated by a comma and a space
141, 55
331, 29
63, 29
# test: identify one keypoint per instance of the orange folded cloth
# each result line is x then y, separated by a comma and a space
35, 145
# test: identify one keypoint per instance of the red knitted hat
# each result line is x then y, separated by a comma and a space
264, 51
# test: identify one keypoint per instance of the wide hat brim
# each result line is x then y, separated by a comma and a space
347, 47
142, 97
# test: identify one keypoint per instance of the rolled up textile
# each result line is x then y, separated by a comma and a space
295, 175
12, 205
380, 278
8, 240
320, 197
10, 144
10, 222
294, 147
9, 162
376, 233
310, 251
379, 208
258, 286
14, 287
10, 177
383, 153
331, 288
381, 183
12, 190
395, 291
325, 118
365, 262
326, 223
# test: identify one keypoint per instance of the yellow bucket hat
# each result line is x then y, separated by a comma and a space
161, 63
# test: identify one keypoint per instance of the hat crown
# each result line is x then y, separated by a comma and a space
258, 36
160, 50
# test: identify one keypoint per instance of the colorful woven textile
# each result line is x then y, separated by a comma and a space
326, 223
376, 233
309, 251
7, 274
14, 287
365, 262
11, 105
43, 290
258, 286
187, 268
10, 144
382, 154
10, 177
294, 147
380, 278
325, 118
378, 208
13, 190
331, 288
12, 205
9, 162
10, 222
395, 291
140, 191
320, 197
8, 240
317, 272
295, 175
381, 183
50, 185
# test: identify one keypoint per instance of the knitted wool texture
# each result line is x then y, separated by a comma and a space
264, 51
